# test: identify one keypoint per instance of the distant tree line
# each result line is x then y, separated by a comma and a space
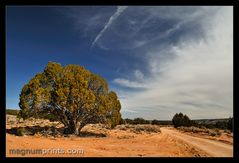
12, 112
143, 121
48, 116
180, 119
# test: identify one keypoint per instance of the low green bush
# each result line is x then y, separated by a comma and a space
20, 131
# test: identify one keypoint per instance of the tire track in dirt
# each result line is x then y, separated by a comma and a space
211, 147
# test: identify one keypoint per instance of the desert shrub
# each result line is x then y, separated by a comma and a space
20, 131
209, 125
181, 120
230, 124
122, 121
192, 129
227, 131
121, 127
221, 124
139, 128
162, 122
203, 127
224, 124
212, 133
128, 121
136, 121
140, 121
12, 112
155, 122
147, 128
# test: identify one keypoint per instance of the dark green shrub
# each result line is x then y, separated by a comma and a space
230, 124
128, 121
155, 122
140, 121
20, 131
181, 120
12, 112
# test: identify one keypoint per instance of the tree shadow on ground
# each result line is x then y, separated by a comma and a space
32, 130
91, 134
48, 131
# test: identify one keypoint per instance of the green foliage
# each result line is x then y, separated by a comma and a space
193, 129
137, 121
49, 116
181, 120
140, 121
72, 94
20, 131
155, 122
128, 121
113, 109
230, 124
224, 124
221, 124
122, 121
12, 112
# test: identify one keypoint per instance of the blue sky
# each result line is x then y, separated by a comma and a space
160, 60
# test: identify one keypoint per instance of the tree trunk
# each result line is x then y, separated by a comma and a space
74, 127
70, 128
81, 126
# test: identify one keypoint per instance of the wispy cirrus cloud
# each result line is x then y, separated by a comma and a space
147, 26
192, 75
119, 10
169, 59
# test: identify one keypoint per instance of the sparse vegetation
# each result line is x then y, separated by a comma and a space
140, 121
230, 124
155, 122
192, 129
223, 124
146, 128
137, 121
135, 135
139, 128
12, 111
183, 120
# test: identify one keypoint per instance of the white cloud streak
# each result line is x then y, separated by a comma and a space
198, 81
128, 83
118, 12
138, 74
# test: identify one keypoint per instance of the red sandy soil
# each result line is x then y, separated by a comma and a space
118, 143
169, 143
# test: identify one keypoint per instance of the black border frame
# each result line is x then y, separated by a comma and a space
5, 3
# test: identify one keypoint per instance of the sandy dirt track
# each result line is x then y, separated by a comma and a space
211, 147
168, 143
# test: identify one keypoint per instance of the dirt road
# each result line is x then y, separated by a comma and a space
169, 143
211, 147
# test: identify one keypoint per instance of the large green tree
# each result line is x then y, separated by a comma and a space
71, 93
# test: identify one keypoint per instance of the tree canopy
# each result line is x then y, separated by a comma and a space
181, 120
73, 94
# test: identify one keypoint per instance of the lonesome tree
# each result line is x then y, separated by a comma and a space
181, 120
72, 94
